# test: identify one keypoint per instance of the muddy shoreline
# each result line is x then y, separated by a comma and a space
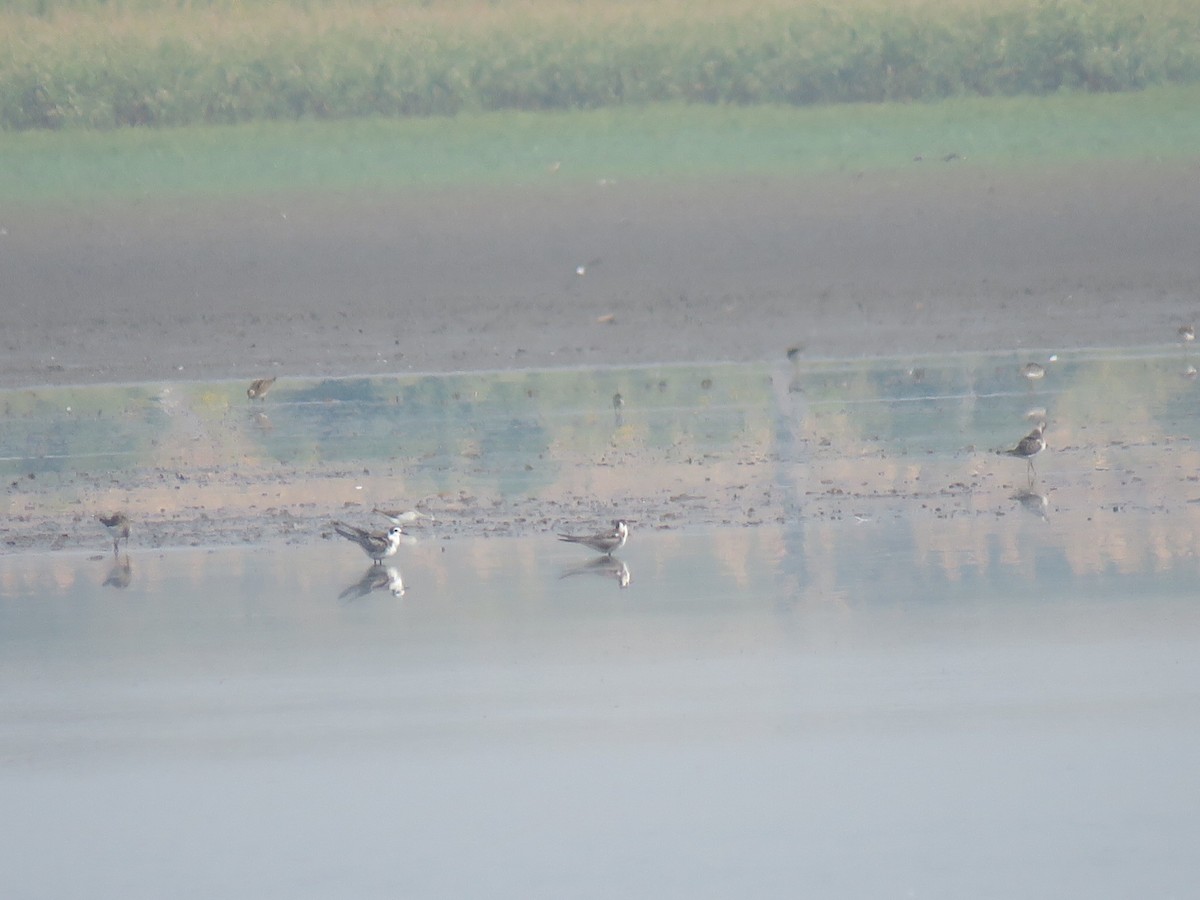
928, 261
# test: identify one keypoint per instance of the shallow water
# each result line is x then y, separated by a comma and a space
846, 651
523, 453
230, 724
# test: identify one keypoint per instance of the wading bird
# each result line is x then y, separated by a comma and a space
602, 542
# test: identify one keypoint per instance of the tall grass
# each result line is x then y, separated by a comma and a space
90, 63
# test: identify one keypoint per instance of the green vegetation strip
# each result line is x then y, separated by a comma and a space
97, 64
665, 143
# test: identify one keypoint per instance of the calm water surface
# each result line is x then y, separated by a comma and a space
515, 723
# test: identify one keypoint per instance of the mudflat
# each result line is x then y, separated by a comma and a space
940, 257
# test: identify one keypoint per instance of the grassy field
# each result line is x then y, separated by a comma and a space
111, 63
669, 142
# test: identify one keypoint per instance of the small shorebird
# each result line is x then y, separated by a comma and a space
1033, 371
1187, 333
118, 528
259, 387
377, 546
603, 542
401, 517
1030, 446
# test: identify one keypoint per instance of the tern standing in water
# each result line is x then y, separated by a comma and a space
118, 528
602, 542
377, 546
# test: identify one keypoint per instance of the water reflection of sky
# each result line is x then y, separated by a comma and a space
884, 465
242, 612
929, 406
227, 718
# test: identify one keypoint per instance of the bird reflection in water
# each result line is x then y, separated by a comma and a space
605, 567
1033, 502
376, 578
261, 421
120, 575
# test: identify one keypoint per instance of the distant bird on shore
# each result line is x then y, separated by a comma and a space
260, 387
1186, 334
118, 528
401, 517
1033, 371
1030, 446
377, 546
605, 542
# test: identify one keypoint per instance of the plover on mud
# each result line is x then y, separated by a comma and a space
1030, 446
259, 387
1033, 371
